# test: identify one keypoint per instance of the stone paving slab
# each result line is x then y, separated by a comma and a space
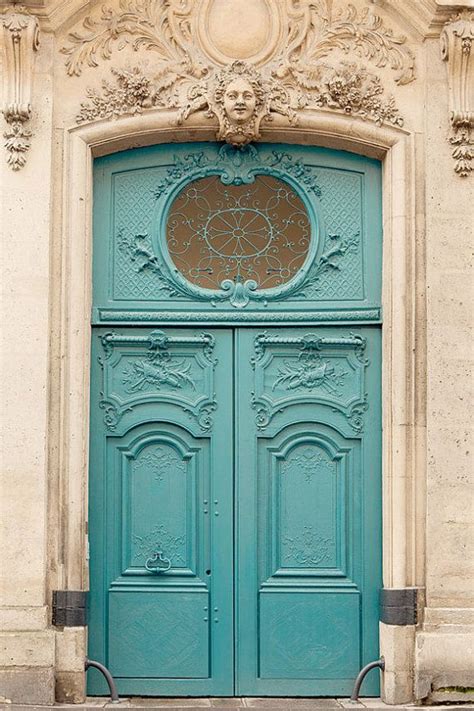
224, 704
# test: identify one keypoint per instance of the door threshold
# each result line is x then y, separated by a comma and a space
223, 704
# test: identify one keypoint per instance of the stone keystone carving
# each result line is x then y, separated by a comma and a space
456, 49
303, 70
20, 40
240, 98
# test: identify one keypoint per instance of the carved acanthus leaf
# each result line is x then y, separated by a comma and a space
152, 25
21, 40
315, 30
457, 39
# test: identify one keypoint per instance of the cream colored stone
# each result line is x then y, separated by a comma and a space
397, 687
239, 30
23, 618
443, 660
27, 649
25, 252
71, 649
397, 645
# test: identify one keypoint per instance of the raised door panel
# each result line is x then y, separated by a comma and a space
161, 513
309, 518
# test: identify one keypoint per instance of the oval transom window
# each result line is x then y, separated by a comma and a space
259, 231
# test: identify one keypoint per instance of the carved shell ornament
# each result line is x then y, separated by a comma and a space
299, 64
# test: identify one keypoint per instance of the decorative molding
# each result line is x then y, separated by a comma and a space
234, 167
241, 96
21, 41
131, 92
239, 167
139, 250
112, 413
105, 316
309, 463
159, 340
310, 342
203, 415
160, 462
141, 24
159, 538
308, 548
335, 248
356, 415
456, 49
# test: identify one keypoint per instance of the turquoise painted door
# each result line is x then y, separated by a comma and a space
161, 508
308, 509
235, 473
289, 420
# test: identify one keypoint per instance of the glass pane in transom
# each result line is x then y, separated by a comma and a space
259, 231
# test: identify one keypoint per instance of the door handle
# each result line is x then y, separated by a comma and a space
157, 563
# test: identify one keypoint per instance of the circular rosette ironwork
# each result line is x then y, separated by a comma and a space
238, 239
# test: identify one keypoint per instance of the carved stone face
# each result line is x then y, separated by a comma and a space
239, 101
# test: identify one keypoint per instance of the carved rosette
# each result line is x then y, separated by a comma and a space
299, 68
457, 40
20, 41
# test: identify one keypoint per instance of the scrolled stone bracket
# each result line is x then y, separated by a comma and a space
21, 40
457, 50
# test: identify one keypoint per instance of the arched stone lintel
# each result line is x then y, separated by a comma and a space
332, 130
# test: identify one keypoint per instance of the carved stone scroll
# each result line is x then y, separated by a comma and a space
20, 39
456, 49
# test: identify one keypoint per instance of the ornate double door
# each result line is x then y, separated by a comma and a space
235, 516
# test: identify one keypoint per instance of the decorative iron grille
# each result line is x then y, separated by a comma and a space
259, 231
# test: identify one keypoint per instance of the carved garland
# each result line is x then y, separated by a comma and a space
21, 40
240, 96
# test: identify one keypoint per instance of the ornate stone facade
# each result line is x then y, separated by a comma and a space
366, 77
304, 72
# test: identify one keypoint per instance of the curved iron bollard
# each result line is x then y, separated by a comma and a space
380, 663
114, 697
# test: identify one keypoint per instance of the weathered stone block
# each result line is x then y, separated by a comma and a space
27, 686
71, 687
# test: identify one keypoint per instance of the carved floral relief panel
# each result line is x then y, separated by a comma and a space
158, 368
159, 496
298, 369
305, 477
